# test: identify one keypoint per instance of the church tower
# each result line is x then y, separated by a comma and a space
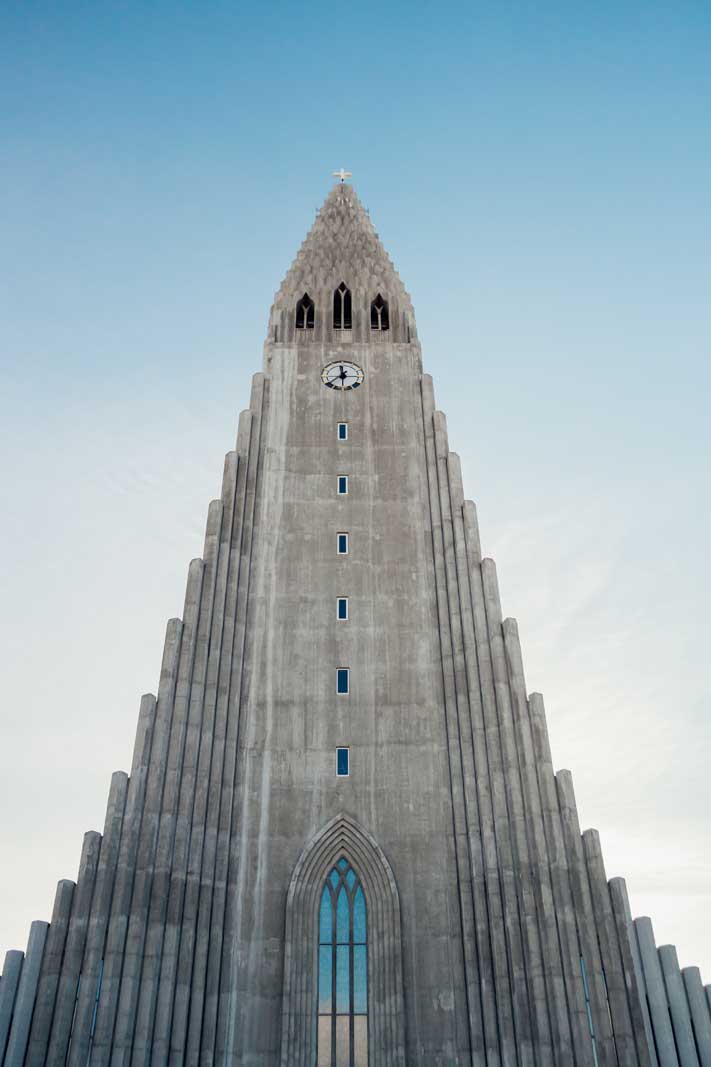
342, 842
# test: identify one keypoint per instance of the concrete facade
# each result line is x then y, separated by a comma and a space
494, 937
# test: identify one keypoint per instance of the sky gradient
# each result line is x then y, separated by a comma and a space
540, 175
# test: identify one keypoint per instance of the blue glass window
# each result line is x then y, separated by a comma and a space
342, 608
342, 680
342, 544
342, 970
343, 431
587, 1007
342, 484
342, 762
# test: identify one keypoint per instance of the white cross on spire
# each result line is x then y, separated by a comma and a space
342, 174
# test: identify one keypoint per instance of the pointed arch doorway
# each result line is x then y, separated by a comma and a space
343, 998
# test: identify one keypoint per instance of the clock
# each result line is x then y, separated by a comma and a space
342, 375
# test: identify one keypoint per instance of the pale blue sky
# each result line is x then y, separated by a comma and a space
540, 174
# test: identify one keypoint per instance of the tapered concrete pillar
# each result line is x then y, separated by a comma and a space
25, 998
626, 1048
92, 963
532, 964
74, 950
699, 1011
123, 884
632, 971
678, 1007
656, 994
12, 968
49, 976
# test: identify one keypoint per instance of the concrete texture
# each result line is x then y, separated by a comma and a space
699, 1012
25, 996
190, 937
12, 968
678, 1007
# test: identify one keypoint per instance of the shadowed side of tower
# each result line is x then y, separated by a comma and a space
342, 842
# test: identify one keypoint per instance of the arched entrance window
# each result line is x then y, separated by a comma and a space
341, 859
342, 971
342, 308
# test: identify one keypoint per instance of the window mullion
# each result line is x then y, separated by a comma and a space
351, 977
334, 974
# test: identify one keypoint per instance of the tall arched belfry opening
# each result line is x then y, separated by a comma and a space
342, 842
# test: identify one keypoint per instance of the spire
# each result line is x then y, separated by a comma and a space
342, 246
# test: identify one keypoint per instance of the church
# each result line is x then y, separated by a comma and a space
342, 842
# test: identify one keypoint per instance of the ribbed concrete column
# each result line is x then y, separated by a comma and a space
230, 687
452, 500
699, 1011
25, 996
528, 985
185, 983
49, 975
12, 968
198, 933
503, 930
678, 1007
628, 939
74, 949
170, 978
560, 885
460, 738
610, 951
507, 951
486, 889
635, 990
590, 948
215, 732
160, 886
123, 885
91, 969
563, 1045
145, 856
656, 994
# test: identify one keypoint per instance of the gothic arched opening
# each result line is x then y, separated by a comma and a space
357, 1015
379, 314
305, 312
342, 308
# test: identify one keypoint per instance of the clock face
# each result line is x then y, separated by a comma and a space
342, 375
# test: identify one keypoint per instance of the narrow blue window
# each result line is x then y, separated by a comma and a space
587, 1007
342, 679
342, 1031
342, 484
342, 762
342, 608
342, 544
96, 1001
343, 431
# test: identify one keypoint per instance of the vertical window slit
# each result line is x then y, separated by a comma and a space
379, 315
342, 308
